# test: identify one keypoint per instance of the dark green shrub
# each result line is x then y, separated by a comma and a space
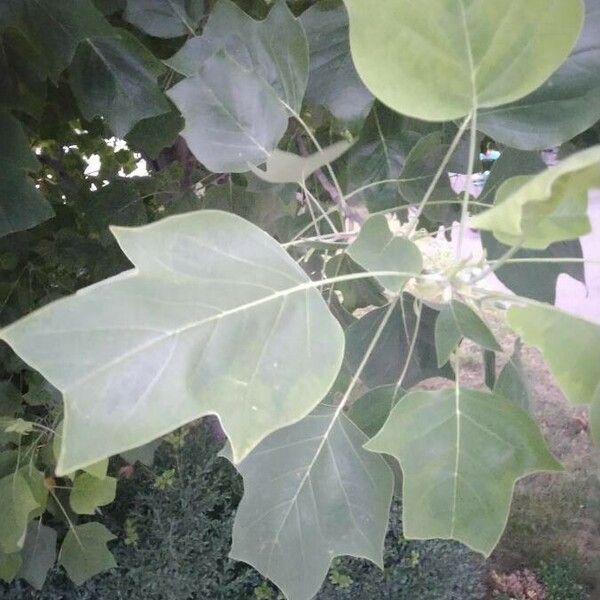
561, 581
175, 532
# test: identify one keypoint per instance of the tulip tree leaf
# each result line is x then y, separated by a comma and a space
311, 493
456, 321
39, 554
461, 452
535, 280
379, 155
115, 77
59, 27
165, 18
286, 167
512, 382
215, 318
233, 119
570, 347
370, 412
89, 492
377, 249
359, 293
17, 503
391, 352
84, 554
563, 107
21, 205
549, 207
333, 82
274, 49
467, 48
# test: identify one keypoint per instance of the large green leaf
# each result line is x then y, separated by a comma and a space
391, 352
456, 321
461, 452
311, 493
115, 77
59, 27
165, 18
274, 49
570, 347
512, 381
333, 82
233, 119
377, 249
549, 207
84, 554
155, 133
9, 566
215, 318
380, 154
370, 412
17, 503
89, 492
474, 53
21, 205
536, 280
39, 554
567, 104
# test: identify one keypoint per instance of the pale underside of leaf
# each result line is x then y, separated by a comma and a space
215, 319
461, 452
311, 493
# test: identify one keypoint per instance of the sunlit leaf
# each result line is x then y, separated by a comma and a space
274, 49
286, 167
311, 493
536, 279
564, 106
165, 18
333, 82
89, 492
455, 322
570, 347
233, 118
142, 353
39, 554
441, 59
115, 77
9, 566
17, 502
461, 452
377, 249
84, 554
549, 207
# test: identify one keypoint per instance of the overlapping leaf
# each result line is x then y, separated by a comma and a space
21, 205
333, 82
461, 452
564, 106
442, 59
311, 493
274, 49
536, 279
165, 18
39, 554
391, 352
115, 77
90, 492
549, 207
570, 347
377, 249
215, 318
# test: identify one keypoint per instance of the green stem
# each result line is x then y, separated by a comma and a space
464, 213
